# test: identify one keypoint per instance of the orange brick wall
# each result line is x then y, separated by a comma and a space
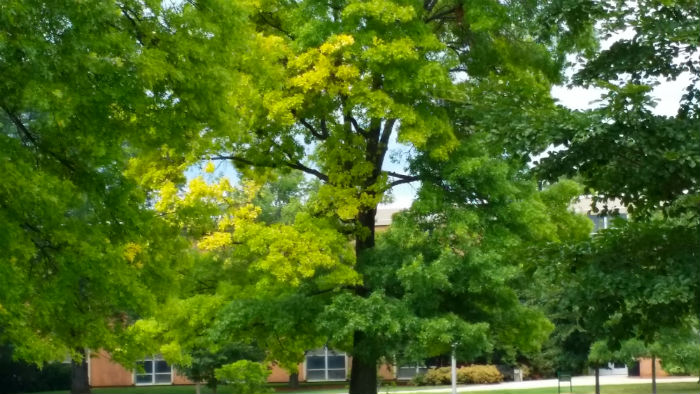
104, 372
179, 379
645, 368
280, 375
387, 372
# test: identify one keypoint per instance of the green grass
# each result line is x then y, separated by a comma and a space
663, 388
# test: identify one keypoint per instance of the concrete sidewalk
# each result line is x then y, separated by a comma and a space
532, 384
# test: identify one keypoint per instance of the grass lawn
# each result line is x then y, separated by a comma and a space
662, 388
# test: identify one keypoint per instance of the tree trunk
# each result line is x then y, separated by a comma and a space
293, 380
653, 374
597, 380
79, 380
198, 388
363, 375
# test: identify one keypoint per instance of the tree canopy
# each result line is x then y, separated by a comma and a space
638, 279
106, 106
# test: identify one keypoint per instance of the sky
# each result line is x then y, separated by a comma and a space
668, 95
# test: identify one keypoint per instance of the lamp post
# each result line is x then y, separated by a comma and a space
454, 368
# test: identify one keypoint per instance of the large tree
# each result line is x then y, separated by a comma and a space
339, 80
84, 90
640, 278
322, 87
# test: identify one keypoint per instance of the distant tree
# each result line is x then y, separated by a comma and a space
93, 97
640, 278
205, 362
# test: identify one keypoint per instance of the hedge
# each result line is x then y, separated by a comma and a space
472, 374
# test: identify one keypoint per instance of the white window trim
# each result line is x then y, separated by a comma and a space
325, 368
153, 382
416, 367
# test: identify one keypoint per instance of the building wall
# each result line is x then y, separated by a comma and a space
387, 372
645, 368
179, 379
280, 375
105, 373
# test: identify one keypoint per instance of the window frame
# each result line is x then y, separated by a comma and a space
153, 374
326, 369
417, 370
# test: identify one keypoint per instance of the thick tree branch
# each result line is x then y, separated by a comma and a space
277, 27
290, 164
132, 19
386, 133
298, 166
357, 126
322, 135
324, 127
28, 136
384, 141
441, 14
402, 178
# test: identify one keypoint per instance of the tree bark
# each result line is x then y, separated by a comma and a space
79, 379
653, 374
293, 380
363, 375
597, 380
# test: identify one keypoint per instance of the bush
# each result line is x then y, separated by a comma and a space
473, 374
527, 374
436, 376
478, 374
418, 380
246, 377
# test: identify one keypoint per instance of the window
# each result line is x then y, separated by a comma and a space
325, 364
408, 372
603, 222
599, 222
155, 371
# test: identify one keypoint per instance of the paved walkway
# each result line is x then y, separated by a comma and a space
532, 384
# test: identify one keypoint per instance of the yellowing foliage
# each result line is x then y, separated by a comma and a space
277, 254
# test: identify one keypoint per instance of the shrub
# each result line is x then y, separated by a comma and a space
526, 371
246, 377
418, 380
478, 374
436, 376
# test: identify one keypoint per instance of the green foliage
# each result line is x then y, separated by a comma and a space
206, 362
106, 104
73, 225
245, 289
622, 150
677, 349
245, 377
